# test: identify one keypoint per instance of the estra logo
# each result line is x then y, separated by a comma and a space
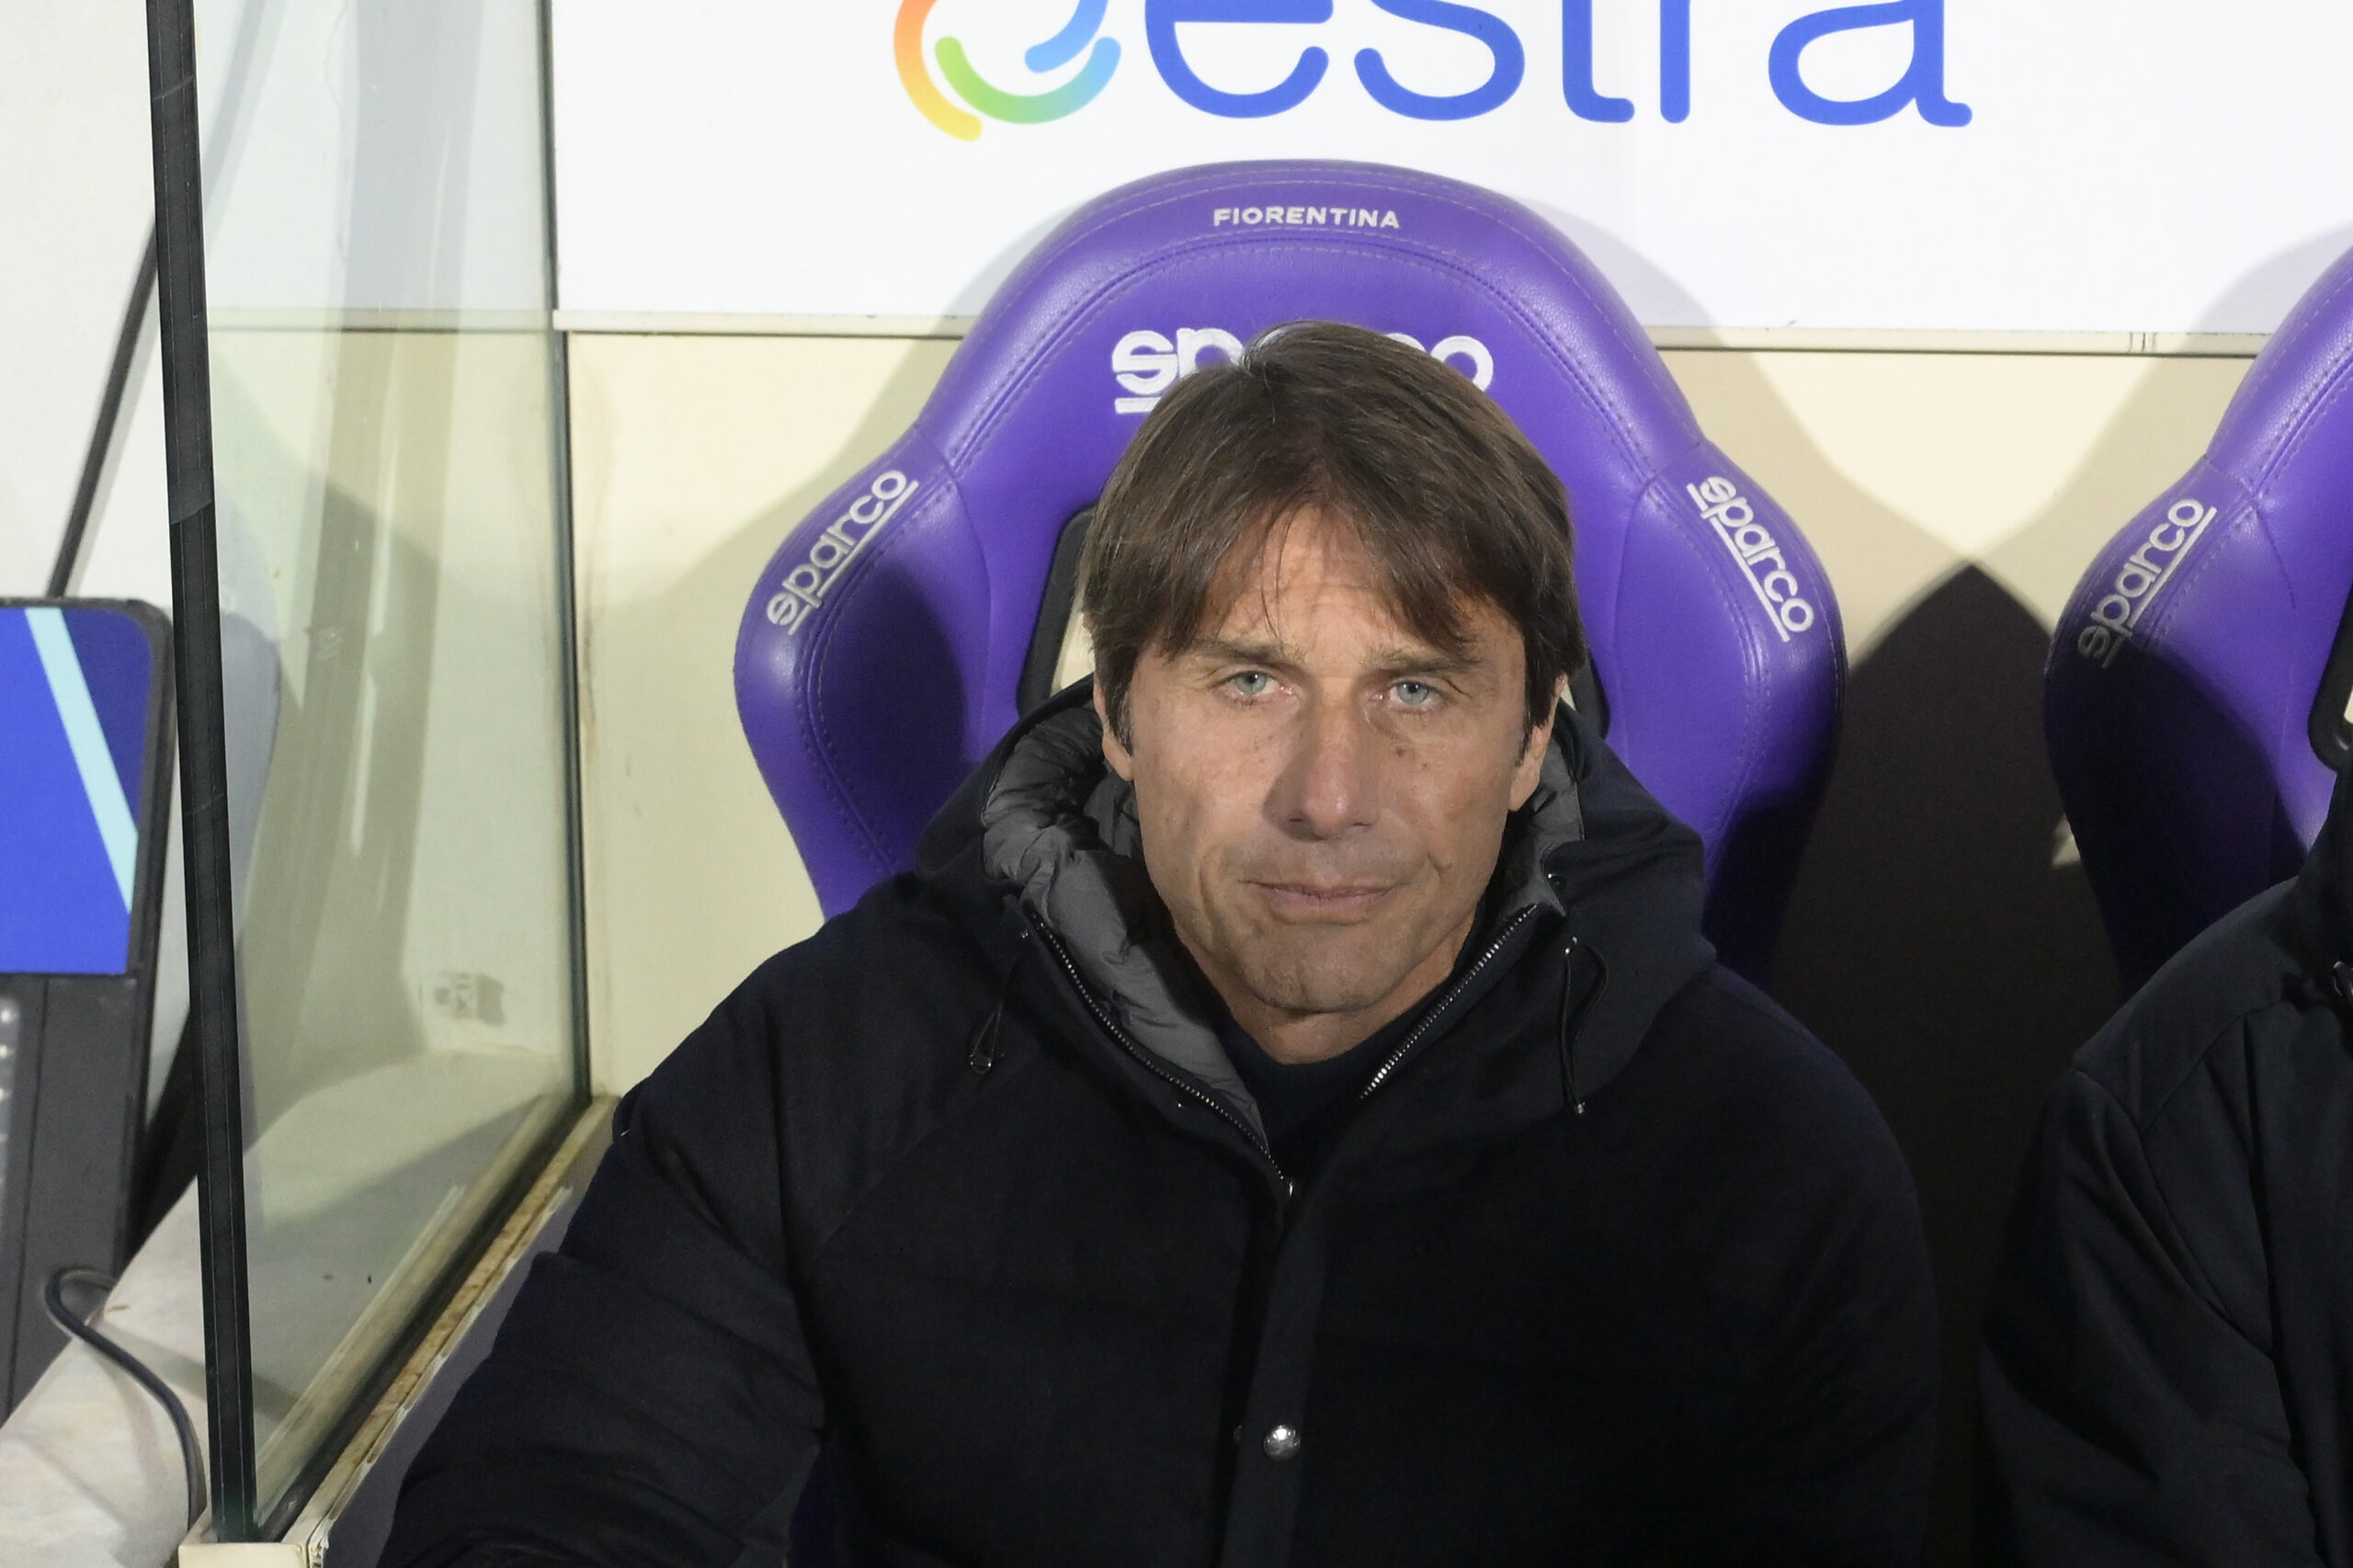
1013, 108
1299, 69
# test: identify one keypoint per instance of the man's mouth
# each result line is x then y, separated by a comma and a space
1313, 901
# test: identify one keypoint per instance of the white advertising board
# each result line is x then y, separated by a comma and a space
2011, 166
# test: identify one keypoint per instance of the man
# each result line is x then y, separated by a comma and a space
2167, 1374
1288, 1115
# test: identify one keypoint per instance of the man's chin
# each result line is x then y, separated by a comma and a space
1326, 977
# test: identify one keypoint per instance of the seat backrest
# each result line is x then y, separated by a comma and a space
2184, 703
884, 650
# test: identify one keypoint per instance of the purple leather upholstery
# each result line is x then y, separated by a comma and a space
2184, 668
883, 647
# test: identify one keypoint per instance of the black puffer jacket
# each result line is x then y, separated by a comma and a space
963, 1191
2168, 1365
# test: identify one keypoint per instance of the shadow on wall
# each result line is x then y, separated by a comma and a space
1940, 942
1940, 937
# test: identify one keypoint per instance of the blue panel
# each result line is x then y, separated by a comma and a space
61, 911
120, 666
101, 786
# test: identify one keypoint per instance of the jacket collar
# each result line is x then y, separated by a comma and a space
1057, 833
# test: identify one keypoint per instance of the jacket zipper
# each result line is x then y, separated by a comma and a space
1166, 1074
1574, 1013
1405, 1047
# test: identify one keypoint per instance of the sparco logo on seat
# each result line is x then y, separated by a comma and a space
806, 584
2117, 616
1147, 364
1758, 554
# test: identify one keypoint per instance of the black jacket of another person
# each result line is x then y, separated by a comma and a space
963, 1192
2167, 1374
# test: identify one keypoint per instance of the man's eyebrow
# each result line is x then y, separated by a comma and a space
1399, 662
1433, 659
1395, 661
1242, 651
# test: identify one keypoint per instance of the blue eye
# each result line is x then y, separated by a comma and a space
1251, 683
1415, 693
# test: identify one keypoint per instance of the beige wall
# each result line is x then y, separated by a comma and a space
692, 455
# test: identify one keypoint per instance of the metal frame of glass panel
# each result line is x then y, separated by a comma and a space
253, 1493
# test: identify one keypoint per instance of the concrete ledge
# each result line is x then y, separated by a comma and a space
90, 1471
256, 1555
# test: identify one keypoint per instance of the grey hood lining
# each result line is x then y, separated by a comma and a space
1061, 827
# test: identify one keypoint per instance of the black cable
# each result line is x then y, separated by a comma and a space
52, 1296
94, 462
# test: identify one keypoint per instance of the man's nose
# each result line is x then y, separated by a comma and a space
1332, 783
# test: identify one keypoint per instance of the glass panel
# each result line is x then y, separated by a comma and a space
386, 408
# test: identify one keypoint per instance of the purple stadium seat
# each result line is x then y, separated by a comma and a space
903, 626
2195, 700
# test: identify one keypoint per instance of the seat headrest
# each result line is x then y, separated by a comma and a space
1701, 602
2179, 700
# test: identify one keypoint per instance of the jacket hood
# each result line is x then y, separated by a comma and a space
1050, 833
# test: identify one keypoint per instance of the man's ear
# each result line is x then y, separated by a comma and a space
1525, 777
1122, 761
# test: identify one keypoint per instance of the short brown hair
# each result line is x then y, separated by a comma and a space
1446, 496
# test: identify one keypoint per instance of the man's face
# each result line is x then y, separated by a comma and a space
1323, 793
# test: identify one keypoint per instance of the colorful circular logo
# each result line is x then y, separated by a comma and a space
1013, 108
